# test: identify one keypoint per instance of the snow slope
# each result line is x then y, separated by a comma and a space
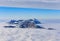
30, 34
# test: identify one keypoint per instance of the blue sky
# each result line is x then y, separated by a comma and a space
16, 13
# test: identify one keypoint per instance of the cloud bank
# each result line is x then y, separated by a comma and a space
45, 4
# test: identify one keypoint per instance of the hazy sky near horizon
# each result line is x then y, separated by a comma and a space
24, 13
48, 4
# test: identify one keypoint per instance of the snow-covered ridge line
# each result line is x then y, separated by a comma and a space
29, 23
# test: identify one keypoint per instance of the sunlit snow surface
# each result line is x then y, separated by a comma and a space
30, 34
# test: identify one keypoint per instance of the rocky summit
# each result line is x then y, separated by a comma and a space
29, 23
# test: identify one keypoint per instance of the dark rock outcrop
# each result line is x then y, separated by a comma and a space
37, 26
9, 26
51, 29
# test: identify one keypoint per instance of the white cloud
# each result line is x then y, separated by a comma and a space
46, 4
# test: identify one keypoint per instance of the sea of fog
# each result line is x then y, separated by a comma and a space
31, 34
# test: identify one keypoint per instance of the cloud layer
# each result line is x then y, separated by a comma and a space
45, 4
